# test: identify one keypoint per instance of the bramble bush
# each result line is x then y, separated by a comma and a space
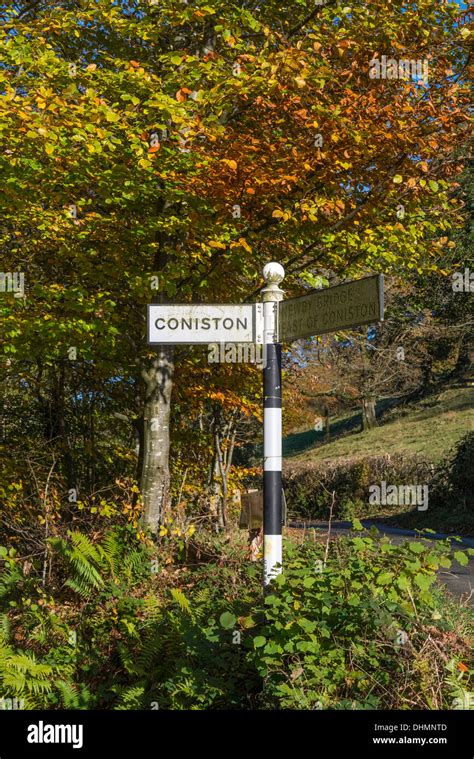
364, 629
116, 628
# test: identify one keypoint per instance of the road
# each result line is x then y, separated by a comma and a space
458, 580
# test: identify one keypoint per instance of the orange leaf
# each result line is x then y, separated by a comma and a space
230, 163
181, 94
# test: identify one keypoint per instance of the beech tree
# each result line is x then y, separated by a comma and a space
165, 152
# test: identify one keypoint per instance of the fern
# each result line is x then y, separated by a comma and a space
9, 578
84, 559
181, 599
131, 698
113, 551
4, 627
70, 694
21, 676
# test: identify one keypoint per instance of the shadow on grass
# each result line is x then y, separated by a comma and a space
302, 441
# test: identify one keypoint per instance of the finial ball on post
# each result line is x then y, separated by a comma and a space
273, 273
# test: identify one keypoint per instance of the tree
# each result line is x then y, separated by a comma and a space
183, 144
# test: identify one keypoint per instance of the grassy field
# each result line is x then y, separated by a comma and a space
430, 428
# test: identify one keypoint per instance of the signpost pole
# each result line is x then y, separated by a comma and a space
347, 305
273, 274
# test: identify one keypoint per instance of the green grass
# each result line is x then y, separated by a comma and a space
430, 428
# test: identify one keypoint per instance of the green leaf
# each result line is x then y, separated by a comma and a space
402, 582
424, 581
227, 620
461, 558
112, 117
416, 547
384, 578
259, 641
308, 625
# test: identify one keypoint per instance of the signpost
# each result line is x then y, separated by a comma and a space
271, 322
348, 305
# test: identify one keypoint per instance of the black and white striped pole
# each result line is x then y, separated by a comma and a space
273, 274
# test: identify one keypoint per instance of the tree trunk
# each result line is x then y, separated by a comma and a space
222, 511
154, 428
155, 438
463, 361
327, 423
369, 418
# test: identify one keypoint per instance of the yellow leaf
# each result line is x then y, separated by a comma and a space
277, 214
245, 244
216, 244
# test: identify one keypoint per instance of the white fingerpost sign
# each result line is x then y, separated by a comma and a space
190, 323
